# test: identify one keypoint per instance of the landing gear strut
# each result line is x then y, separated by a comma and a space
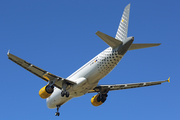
64, 92
57, 113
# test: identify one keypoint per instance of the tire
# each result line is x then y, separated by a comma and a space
57, 114
98, 99
103, 99
62, 94
67, 94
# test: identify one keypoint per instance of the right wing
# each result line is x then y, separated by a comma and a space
107, 88
140, 46
48, 77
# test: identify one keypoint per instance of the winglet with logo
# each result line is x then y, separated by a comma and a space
168, 80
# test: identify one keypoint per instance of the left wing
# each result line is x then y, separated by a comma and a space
107, 88
45, 75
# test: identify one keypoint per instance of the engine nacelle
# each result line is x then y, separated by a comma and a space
97, 101
46, 91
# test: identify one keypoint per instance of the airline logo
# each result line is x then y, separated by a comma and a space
122, 20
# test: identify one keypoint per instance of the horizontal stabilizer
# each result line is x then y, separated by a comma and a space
140, 46
112, 42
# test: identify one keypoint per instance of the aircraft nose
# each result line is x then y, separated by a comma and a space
49, 103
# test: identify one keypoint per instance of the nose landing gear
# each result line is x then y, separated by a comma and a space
57, 113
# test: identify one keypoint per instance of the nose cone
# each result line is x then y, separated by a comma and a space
49, 103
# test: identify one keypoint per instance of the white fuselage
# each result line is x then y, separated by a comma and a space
87, 77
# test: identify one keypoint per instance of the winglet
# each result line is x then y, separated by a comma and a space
168, 80
8, 52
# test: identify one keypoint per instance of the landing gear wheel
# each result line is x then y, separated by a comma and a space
98, 99
65, 93
102, 98
57, 114
62, 94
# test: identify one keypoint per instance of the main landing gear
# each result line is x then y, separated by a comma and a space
102, 97
63, 93
57, 113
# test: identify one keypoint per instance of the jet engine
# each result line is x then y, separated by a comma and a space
98, 99
46, 91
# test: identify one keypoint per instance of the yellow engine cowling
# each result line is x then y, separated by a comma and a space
94, 101
43, 93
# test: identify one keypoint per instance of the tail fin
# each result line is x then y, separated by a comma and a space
123, 26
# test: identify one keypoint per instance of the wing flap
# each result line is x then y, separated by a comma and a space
102, 88
45, 75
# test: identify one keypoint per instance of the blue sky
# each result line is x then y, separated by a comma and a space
59, 36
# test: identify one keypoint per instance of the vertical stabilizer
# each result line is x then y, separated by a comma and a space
123, 26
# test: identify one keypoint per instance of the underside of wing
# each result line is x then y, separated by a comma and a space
106, 88
45, 75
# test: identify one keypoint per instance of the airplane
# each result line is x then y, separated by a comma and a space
85, 80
